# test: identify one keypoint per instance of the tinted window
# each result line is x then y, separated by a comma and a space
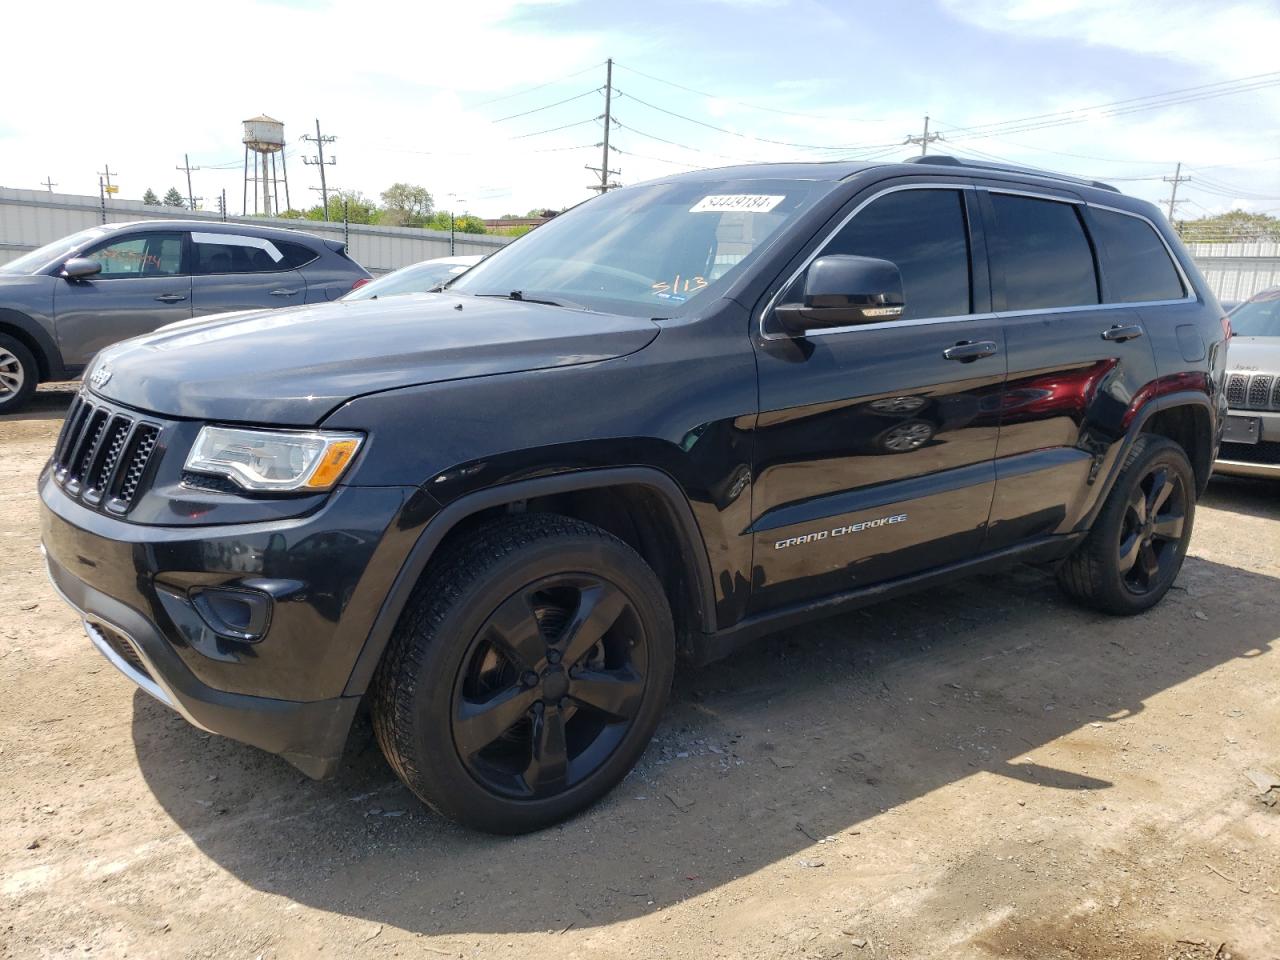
295, 254
1043, 253
235, 253
924, 233
140, 255
1134, 260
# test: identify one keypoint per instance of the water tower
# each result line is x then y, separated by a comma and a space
264, 138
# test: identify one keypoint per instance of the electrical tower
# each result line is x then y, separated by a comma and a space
925, 139
1176, 179
605, 184
319, 161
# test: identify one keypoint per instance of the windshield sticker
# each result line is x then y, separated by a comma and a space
679, 288
739, 202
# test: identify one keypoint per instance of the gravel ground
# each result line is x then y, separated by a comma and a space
980, 771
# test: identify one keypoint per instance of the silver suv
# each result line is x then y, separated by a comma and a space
62, 303
1251, 436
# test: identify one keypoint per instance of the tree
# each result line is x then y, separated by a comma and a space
150, 198
406, 205
1236, 225
359, 208
173, 198
462, 223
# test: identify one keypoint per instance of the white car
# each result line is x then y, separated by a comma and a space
415, 278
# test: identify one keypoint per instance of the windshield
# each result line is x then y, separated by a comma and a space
1259, 317
50, 252
644, 251
418, 278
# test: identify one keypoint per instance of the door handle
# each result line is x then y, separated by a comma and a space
282, 292
968, 351
171, 297
1122, 332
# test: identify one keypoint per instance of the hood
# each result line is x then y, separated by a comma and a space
291, 367
1253, 355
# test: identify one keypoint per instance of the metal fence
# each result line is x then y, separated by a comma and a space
32, 218
1236, 271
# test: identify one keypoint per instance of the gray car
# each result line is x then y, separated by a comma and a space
1251, 435
62, 303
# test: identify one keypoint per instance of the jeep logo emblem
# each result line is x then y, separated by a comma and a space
100, 376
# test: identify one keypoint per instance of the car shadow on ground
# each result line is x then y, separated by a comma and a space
807, 734
1253, 497
49, 402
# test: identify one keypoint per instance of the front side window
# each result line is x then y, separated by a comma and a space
925, 234
214, 253
140, 255
1134, 260
1041, 249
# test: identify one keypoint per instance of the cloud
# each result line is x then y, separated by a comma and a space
1225, 39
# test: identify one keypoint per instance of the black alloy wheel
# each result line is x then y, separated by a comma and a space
550, 686
527, 674
1154, 519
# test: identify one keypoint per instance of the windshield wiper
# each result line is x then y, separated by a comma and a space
519, 296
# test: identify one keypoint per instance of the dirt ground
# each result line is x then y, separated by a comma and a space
982, 771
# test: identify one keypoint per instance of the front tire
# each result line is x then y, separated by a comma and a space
1130, 558
527, 673
18, 374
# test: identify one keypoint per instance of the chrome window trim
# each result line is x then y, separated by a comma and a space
996, 315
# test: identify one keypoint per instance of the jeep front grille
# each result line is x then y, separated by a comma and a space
103, 454
1253, 391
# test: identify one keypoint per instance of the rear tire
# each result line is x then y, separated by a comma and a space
527, 673
19, 374
1134, 551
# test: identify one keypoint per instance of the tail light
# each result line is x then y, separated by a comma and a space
1226, 326
363, 280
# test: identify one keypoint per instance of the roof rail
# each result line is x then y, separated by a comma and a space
943, 160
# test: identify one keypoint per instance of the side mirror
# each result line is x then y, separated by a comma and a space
841, 291
77, 268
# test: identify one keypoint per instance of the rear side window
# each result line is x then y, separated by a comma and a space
214, 253
923, 232
1041, 248
296, 254
1135, 261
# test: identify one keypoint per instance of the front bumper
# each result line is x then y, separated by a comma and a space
326, 573
1253, 460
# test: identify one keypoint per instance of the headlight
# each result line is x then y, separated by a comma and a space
278, 460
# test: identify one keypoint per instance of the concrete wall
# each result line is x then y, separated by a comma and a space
32, 218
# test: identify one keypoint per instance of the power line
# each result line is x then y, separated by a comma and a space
740, 103
564, 126
540, 86
525, 113
745, 136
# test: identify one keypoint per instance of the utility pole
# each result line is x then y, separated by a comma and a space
926, 139
48, 182
102, 199
603, 169
105, 172
222, 205
319, 161
1176, 179
186, 166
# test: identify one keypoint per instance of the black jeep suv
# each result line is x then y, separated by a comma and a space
679, 416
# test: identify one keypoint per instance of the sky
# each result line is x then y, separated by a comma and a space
466, 98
